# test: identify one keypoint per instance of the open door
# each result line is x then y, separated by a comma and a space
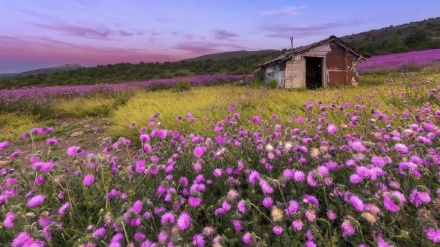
314, 72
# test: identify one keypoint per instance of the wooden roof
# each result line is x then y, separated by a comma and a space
306, 48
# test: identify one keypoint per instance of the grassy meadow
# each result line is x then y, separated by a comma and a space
230, 165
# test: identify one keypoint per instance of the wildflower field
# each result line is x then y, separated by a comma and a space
232, 165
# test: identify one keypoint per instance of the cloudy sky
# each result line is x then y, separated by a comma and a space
36, 34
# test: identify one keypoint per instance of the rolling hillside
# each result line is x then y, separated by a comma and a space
231, 55
421, 35
61, 68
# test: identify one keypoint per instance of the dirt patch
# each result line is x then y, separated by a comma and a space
89, 134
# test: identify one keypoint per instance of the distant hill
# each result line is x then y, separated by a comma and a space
126, 72
414, 36
60, 68
230, 55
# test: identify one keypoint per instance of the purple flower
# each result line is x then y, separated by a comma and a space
331, 129
36, 201
4, 145
99, 233
140, 166
433, 235
9, 220
293, 207
247, 238
199, 151
198, 240
64, 208
420, 197
194, 201
237, 225
357, 203
167, 218
241, 206
347, 228
267, 202
51, 141
183, 221
401, 147
256, 119
277, 230
394, 202
21, 239
297, 224
88, 179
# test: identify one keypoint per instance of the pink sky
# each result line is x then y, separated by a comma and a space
36, 34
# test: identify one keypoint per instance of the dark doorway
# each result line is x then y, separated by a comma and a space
313, 72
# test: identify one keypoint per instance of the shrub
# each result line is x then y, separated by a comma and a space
181, 86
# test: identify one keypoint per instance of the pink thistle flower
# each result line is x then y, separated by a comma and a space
256, 119
9, 220
88, 179
217, 172
36, 201
393, 203
401, 148
277, 230
167, 218
199, 151
237, 225
140, 166
265, 187
241, 206
62, 210
355, 178
15, 154
382, 243
310, 215
297, 224
299, 176
253, 176
73, 151
21, 239
198, 240
226, 206
288, 174
358, 146
183, 221
44, 221
357, 203
331, 215
433, 235
194, 201
162, 237
420, 197
4, 145
293, 207
311, 199
247, 238
331, 129
267, 202
347, 228
99, 233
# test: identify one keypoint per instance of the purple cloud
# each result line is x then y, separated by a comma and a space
74, 30
223, 34
205, 47
291, 10
283, 30
87, 32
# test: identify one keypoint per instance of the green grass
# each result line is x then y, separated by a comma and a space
13, 125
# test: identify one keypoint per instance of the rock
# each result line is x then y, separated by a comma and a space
78, 133
3, 163
87, 126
